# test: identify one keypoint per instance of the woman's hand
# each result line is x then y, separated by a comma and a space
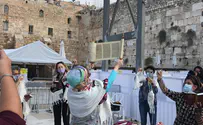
21, 78
159, 75
151, 81
118, 65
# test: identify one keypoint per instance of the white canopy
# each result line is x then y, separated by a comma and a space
36, 52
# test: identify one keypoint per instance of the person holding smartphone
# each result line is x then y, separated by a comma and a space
59, 90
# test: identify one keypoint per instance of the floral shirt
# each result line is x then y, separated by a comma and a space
185, 112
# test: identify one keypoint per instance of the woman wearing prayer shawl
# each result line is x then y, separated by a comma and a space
86, 99
22, 91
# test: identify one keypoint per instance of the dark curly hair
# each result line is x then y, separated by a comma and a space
150, 67
195, 80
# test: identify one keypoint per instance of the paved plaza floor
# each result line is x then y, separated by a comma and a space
42, 118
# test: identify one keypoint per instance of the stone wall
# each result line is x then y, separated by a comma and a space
23, 13
172, 29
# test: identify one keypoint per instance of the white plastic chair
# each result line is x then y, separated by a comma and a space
118, 97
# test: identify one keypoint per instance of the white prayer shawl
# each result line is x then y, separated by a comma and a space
84, 103
56, 96
151, 102
105, 113
140, 78
59, 95
22, 92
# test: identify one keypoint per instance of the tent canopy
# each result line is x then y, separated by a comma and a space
36, 52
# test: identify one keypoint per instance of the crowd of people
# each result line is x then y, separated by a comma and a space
85, 101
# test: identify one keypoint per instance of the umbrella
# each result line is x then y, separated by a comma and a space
62, 50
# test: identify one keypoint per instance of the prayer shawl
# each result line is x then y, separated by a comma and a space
105, 113
140, 78
84, 103
60, 95
22, 92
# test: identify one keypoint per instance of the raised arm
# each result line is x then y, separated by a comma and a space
113, 74
9, 98
171, 94
163, 88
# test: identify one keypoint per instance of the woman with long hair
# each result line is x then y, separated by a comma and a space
59, 89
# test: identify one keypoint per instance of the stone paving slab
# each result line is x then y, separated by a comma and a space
42, 118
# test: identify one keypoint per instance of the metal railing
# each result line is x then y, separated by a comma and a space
42, 97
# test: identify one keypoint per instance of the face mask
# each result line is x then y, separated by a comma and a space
61, 70
149, 75
187, 88
15, 77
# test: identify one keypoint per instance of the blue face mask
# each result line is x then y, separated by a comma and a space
150, 75
187, 88
16, 77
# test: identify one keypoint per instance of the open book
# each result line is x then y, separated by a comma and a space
193, 98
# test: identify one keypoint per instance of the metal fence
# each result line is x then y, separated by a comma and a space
42, 97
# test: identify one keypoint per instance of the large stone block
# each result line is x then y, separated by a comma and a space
147, 18
197, 6
168, 13
188, 14
180, 23
177, 50
175, 11
179, 16
194, 27
158, 21
197, 13
174, 37
190, 20
201, 19
185, 22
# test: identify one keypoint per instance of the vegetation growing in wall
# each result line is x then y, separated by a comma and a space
109, 62
163, 51
149, 61
191, 34
198, 62
175, 28
168, 44
126, 61
162, 36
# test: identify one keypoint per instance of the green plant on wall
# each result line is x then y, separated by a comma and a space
175, 28
162, 36
191, 34
149, 61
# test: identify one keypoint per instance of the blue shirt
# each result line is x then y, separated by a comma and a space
111, 79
